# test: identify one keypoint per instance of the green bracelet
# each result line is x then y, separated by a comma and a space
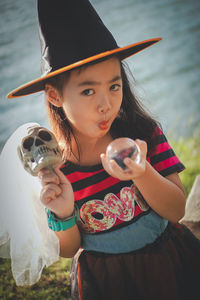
57, 224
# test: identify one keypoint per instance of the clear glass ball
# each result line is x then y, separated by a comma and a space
121, 148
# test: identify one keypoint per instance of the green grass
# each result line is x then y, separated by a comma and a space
54, 283
188, 151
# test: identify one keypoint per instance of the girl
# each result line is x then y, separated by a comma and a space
121, 225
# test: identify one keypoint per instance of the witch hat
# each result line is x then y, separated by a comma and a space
71, 35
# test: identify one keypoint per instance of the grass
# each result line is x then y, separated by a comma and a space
54, 283
188, 151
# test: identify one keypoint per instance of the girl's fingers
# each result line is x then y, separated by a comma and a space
105, 164
48, 177
115, 167
62, 178
131, 164
50, 192
134, 169
143, 148
57, 177
112, 168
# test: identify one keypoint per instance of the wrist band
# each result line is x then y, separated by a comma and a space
57, 224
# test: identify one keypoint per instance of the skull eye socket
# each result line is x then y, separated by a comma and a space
45, 136
28, 143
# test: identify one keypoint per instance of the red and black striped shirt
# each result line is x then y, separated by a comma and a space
100, 196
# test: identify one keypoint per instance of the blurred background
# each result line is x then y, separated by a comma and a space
167, 80
167, 74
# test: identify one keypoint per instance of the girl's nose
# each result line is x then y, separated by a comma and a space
104, 104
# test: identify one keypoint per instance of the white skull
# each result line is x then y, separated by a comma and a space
39, 149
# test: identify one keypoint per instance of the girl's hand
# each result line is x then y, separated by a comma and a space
57, 193
134, 170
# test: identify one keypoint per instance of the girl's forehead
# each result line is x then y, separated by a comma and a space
104, 68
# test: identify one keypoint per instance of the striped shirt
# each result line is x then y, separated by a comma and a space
105, 203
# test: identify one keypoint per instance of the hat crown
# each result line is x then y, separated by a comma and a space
72, 35
70, 31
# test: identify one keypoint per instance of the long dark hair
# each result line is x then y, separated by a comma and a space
133, 120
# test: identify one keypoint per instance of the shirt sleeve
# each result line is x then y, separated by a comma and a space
163, 158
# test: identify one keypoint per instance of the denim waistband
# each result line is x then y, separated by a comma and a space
129, 238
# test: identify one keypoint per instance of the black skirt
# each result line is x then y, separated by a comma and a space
168, 269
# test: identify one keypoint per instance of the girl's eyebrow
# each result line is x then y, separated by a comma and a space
91, 82
117, 77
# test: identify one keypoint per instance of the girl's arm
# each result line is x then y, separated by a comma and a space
70, 241
57, 195
165, 195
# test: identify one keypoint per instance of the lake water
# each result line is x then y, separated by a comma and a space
167, 74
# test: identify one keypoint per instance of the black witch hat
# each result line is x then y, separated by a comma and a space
72, 34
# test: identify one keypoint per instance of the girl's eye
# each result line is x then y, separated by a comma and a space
115, 87
88, 92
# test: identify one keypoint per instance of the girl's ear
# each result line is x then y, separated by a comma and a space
53, 95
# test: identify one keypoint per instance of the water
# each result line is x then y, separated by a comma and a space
167, 74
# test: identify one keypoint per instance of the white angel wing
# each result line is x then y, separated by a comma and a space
24, 233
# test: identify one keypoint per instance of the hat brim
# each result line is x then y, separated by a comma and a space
38, 84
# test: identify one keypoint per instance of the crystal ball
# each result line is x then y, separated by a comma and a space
121, 148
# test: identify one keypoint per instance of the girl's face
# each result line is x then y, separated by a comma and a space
92, 97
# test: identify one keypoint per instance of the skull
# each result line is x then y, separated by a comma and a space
39, 149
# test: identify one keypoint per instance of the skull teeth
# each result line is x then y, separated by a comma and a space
45, 149
42, 150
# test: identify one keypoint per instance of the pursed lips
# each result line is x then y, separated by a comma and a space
104, 124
